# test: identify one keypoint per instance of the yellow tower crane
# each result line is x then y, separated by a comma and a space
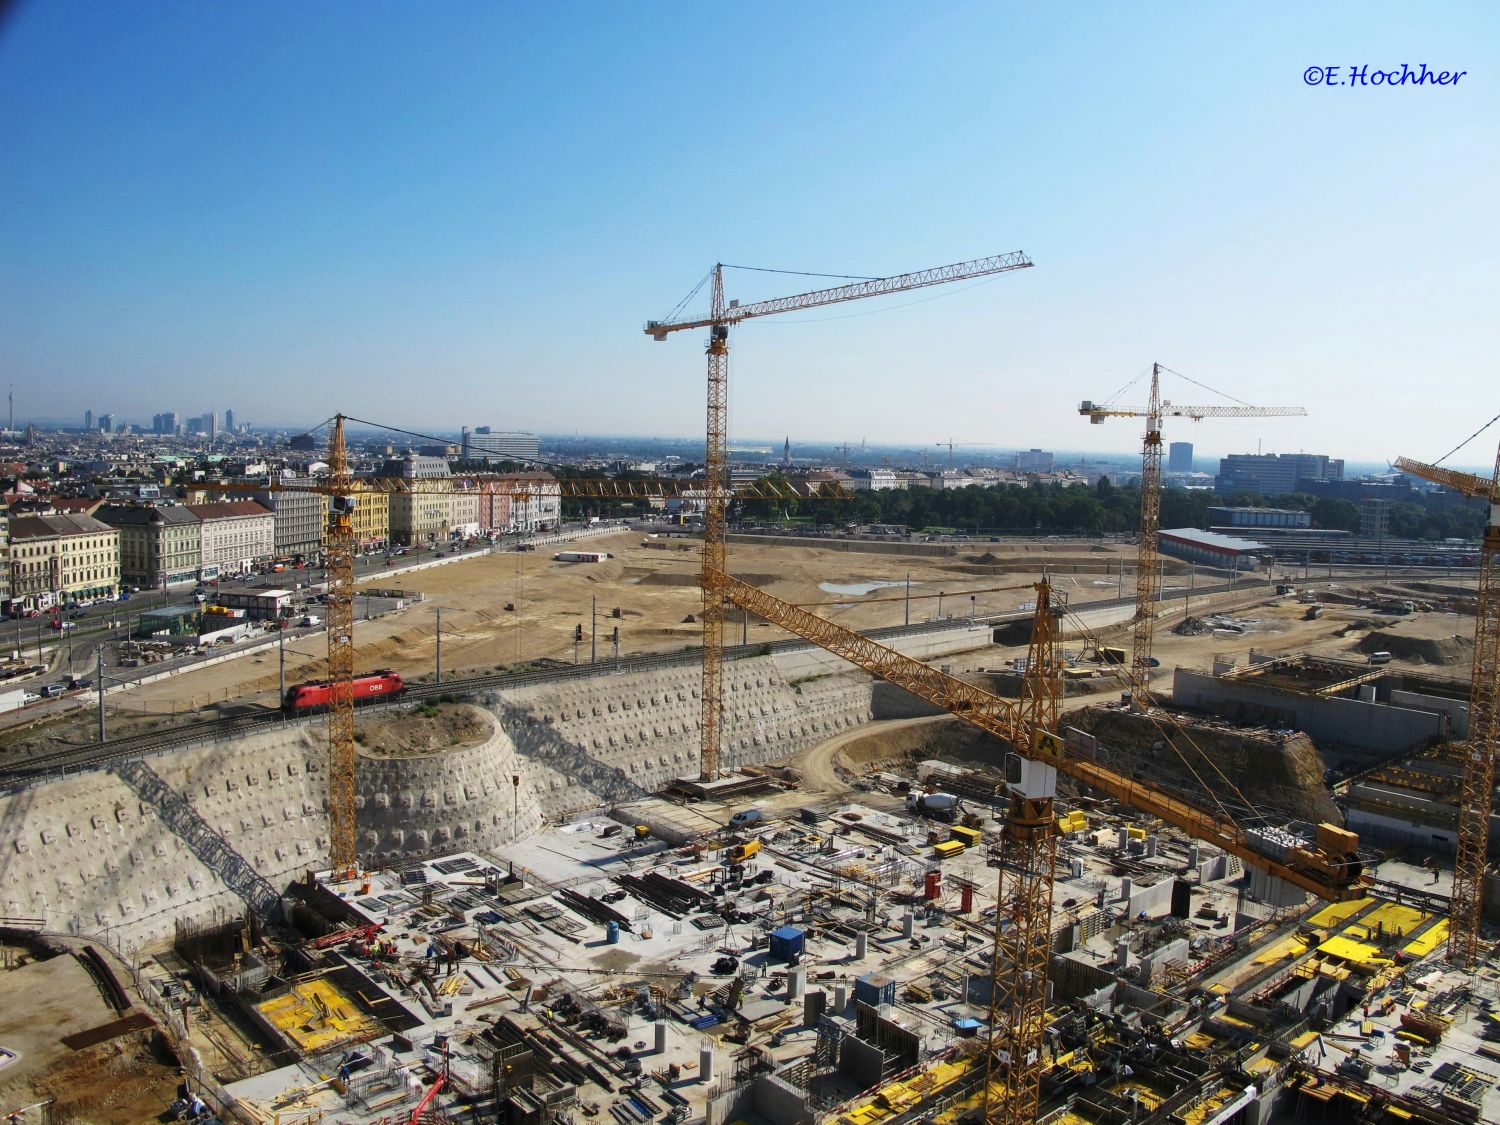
1147, 579
720, 318
343, 490
1328, 867
1477, 788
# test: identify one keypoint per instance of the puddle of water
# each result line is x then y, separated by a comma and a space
858, 588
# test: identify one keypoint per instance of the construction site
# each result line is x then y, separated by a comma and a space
1060, 832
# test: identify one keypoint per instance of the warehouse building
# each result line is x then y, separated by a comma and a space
1211, 548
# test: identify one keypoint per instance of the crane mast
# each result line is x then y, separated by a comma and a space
1476, 790
715, 519
1147, 569
721, 316
339, 563
1147, 576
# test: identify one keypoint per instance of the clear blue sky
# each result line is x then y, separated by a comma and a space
439, 214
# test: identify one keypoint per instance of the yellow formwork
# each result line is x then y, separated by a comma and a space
1288, 947
1347, 949
900, 1096
1430, 939
1393, 918
1210, 1104
316, 1015
1337, 913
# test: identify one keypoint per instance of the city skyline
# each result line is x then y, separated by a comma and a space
217, 201
1205, 458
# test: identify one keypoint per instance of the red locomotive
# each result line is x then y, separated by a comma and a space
382, 684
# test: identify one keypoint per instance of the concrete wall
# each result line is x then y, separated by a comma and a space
213, 831
608, 739
1457, 710
1376, 728
460, 800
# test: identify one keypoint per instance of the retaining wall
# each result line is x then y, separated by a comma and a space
125, 851
609, 739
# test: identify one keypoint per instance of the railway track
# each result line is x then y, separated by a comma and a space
94, 756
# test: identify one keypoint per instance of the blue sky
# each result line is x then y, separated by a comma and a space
462, 213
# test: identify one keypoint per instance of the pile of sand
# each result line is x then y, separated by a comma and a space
1456, 649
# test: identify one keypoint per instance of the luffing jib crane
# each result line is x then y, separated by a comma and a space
720, 318
1478, 784
1328, 867
1147, 579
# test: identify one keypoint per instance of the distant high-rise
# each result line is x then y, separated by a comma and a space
1180, 457
1034, 461
1275, 474
213, 425
164, 423
88, 419
484, 444
229, 421
107, 423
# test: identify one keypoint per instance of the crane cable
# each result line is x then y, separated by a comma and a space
1466, 440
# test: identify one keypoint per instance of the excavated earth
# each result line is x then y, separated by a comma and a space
1273, 770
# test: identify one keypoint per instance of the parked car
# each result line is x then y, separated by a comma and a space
29, 697
50, 691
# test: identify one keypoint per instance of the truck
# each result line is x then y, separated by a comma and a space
940, 806
746, 817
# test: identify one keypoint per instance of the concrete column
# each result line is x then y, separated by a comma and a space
1125, 889
1122, 953
705, 1063
661, 1037
1124, 839
840, 998
1075, 869
813, 1004
1193, 854
794, 983
1151, 844
861, 945
908, 924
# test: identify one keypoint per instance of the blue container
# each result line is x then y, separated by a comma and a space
874, 989
612, 933
787, 943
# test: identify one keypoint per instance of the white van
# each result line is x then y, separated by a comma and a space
1380, 658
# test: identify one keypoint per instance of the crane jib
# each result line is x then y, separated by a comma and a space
958, 271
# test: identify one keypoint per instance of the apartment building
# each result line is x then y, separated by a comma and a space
62, 559
160, 547
236, 536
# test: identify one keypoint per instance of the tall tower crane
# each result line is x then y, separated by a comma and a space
950, 443
720, 318
1477, 787
343, 490
1329, 867
1147, 580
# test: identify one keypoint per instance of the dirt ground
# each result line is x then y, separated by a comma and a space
120, 1082
506, 609
428, 730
